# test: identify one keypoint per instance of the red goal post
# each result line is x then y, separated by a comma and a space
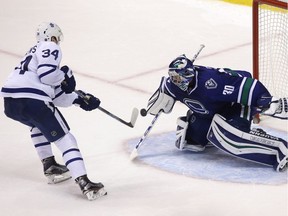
270, 45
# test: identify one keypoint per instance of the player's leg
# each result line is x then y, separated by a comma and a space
23, 110
48, 119
51, 124
54, 172
54, 127
188, 135
254, 145
74, 161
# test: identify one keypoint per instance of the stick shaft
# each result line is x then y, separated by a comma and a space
130, 124
196, 55
133, 117
147, 130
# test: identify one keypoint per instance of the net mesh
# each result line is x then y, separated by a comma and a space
273, 49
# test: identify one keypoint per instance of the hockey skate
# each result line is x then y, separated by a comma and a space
55, 172
90, 189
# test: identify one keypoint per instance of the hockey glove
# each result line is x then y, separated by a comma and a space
278, 108
68, 84
87, 101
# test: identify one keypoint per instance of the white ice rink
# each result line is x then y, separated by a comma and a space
119, 50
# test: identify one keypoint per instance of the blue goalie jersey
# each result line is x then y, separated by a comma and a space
214, 90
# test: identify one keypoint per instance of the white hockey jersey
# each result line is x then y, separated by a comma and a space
38, 76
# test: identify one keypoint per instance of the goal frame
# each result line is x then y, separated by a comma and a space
255, 37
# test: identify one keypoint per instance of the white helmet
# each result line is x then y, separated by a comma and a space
47, 30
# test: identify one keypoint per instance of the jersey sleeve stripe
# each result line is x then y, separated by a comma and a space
53, 68
59, 94
245, 91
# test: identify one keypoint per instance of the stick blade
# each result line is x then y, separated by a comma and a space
134, 116
134, 154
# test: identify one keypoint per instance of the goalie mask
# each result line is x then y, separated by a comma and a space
181, 72
47, 30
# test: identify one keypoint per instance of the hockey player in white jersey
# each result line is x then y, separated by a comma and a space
32, 93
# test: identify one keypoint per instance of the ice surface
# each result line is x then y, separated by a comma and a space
119, 50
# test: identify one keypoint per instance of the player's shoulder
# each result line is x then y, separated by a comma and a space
207, 69
49, 51
48, 45
206, 72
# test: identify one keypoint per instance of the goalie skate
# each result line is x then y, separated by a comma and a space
90, 189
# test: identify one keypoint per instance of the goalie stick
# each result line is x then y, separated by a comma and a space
196, 55
133, 118
134, 153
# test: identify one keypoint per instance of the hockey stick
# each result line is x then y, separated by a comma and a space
134, 153
133, 118
196, 55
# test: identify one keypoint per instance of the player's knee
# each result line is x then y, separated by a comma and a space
181, 140
67, 142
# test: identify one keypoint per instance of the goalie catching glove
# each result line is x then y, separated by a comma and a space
87, 101
278, 108
160, 100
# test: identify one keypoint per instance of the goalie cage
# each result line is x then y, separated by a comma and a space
270, 45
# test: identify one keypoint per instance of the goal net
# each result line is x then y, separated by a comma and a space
270, 45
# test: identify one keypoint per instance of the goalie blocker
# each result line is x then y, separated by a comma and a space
255, 146
160, 100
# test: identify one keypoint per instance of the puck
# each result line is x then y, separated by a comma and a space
143, 112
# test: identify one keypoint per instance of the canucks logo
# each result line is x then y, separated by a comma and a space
196, 106
210, 84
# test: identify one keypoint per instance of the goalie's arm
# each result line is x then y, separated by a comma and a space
161, 100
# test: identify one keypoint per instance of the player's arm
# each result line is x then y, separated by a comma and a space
63, 99
251, 92
84, 100
161, 99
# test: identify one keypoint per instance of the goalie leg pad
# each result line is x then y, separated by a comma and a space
181, 142
182, 126
254, 146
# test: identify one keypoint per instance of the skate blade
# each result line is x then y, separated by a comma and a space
92, 195
56, 178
